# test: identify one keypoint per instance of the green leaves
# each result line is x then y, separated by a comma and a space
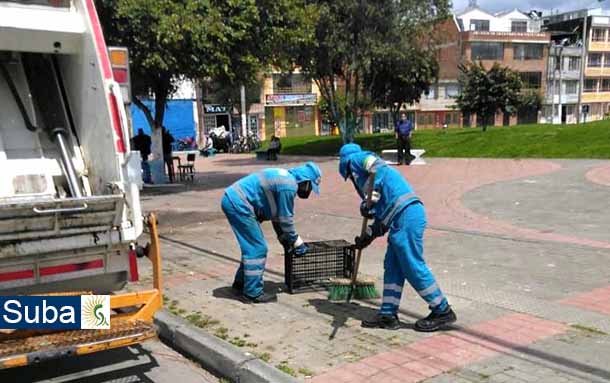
486, 92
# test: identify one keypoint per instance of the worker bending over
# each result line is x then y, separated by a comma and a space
267, 195
395, 209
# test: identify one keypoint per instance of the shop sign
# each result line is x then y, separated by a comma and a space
215, 109
291, 99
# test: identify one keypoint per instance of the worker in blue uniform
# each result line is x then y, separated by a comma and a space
267, 195
395, 209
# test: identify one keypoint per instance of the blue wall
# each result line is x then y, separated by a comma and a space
178, 118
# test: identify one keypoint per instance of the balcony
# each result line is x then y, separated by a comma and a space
597, 72
599, 46
526, 37
596, 97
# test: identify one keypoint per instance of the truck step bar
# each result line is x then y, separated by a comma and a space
36, 349
130, 323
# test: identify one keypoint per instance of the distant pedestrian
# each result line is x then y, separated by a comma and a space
168, 140
275, 145
142, 143
403, 130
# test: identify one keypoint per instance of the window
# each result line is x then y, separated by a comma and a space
487, 51
479, 25
598, 34
605, 85
590, 85
595, 60
528, 51
571, 87
429, 94
531, 80
518, 26
574, 63
606, 60
452, 90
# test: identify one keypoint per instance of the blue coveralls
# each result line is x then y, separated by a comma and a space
263, 196
399, 211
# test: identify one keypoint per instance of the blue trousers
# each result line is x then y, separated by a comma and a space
253, 248
404, 260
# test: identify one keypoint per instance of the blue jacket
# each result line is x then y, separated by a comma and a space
393, 192
269, 195
403, 128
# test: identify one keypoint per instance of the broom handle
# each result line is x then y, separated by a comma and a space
369, 198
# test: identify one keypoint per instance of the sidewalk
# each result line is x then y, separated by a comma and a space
516, 245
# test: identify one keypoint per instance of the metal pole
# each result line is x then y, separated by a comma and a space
559, 111
554, 83
583, 57
244, 127
72, 179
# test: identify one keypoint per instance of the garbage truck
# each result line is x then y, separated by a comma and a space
69, 184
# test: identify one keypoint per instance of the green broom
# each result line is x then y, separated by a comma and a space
345, 288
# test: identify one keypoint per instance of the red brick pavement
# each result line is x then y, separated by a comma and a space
440, 353
597, 300
599, 175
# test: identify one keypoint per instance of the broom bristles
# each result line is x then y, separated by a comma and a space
339, 289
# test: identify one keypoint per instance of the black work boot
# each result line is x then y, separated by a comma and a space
238, 286
387, 322
435, 321
262, 298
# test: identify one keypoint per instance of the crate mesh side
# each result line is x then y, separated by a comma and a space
324, 260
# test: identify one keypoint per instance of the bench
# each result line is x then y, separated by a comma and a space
261, 154
391, 156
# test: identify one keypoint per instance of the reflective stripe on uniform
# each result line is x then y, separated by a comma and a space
393, 287
436, 301
428, 291
254, 273
241, 195
252, 262
391, 300
401, 200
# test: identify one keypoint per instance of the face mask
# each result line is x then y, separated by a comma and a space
304, 189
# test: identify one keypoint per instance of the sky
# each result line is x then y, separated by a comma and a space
525, 5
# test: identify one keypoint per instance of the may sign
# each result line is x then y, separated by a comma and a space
215, 109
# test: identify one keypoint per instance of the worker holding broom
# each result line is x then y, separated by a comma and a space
396, 209
263, 196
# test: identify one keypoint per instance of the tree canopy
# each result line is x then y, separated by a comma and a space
369, 52
486, 92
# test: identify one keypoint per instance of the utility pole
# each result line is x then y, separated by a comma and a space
554, 85
560, 111
583, 57
244, 127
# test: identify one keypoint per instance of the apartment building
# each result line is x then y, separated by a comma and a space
291, 106
582, 40
436, 107
513, 39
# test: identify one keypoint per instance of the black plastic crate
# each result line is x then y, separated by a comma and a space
324, 260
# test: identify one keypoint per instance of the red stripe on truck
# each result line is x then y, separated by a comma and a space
72, 267
100, 43
116, 122
13, 275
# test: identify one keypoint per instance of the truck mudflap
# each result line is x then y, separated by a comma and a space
26, 220
130, 323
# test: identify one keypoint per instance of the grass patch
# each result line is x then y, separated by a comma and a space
264, 356
305, 371
222, 333
588, 330
591, 140
201, 321
237, 341
284, 367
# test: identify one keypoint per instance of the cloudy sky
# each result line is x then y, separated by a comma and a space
562, 5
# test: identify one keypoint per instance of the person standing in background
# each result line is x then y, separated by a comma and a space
403, 130
142, 143
168, 139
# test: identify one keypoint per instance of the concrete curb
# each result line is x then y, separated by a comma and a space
214, 354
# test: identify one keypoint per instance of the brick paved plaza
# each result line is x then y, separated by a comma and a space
521, 248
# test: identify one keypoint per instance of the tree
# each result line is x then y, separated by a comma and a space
167, 40
352, 37
228, 41
486, 92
